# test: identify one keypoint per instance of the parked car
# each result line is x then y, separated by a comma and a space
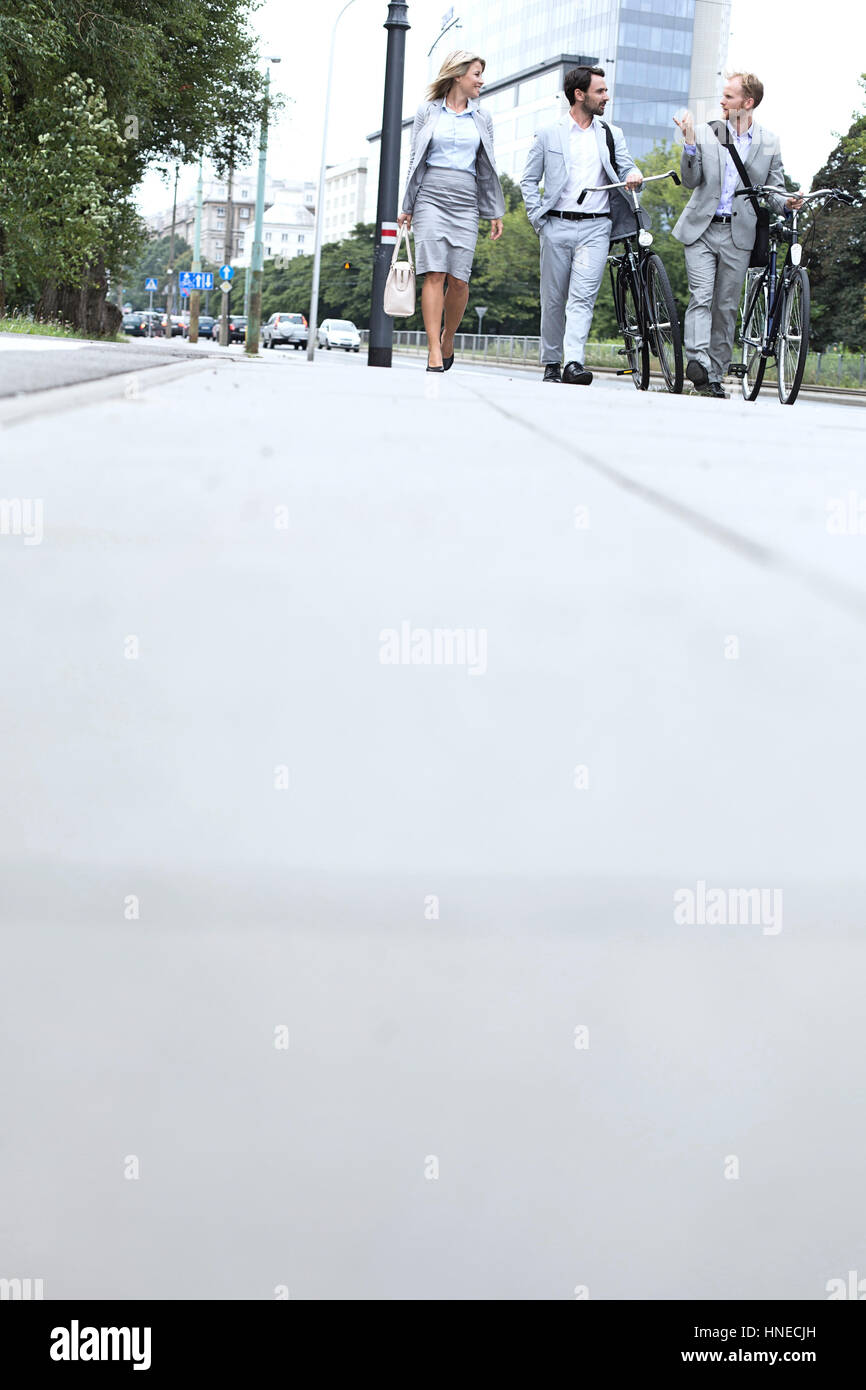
338, 333
176, 326
285, 328
153, 318
208, 327
237, 328
135, 325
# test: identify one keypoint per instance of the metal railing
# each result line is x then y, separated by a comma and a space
837, 370
505, 350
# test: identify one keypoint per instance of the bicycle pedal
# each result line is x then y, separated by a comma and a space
625, 371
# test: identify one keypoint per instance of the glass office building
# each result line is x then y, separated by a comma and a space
658, 55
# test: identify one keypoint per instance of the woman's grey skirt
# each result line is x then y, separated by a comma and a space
445, 222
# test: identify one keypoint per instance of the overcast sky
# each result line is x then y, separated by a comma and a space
808, 53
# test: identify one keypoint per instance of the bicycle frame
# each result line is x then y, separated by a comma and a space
634, 257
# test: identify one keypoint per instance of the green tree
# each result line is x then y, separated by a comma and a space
152, 260
152, 82
836, 247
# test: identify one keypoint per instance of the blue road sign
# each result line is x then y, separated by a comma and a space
196, 280
151, 283
227, 272
184, 289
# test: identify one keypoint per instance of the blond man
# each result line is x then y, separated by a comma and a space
717, 229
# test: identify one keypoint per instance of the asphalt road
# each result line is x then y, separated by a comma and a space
242, 795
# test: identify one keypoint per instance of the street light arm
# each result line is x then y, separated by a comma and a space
443, 32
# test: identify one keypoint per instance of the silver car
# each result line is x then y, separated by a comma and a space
285, 328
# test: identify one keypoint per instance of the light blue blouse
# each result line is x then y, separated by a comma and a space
455, 141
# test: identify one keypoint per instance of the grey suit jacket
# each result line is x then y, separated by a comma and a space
491, 200
549, 162
704, 171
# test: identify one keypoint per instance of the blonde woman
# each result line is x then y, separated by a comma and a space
452, 182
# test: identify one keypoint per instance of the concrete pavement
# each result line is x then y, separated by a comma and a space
549, 1026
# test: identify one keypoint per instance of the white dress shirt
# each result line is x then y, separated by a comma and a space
455, 141
586, 172
743, 143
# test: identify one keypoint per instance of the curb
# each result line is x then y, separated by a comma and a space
32, 404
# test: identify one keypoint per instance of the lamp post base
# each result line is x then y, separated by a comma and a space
379, 357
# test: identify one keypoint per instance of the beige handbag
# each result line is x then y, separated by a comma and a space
400, 285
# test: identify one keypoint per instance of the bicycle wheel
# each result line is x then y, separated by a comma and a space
628, 314
792, 347
752, 334
664, 325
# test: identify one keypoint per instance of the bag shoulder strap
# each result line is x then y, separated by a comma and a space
611, 146
720, 130
404, 232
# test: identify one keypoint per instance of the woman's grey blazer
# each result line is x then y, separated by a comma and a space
491, 200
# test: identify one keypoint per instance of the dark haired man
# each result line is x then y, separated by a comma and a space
718, 230
579, 151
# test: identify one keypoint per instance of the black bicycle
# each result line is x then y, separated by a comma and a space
774, 315
646, 310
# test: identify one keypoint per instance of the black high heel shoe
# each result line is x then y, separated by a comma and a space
447, 362
435, 369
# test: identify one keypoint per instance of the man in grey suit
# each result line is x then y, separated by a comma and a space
567, 157
717, 229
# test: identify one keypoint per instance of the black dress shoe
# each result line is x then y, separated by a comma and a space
447, 362
552, 372
576, 374
697, 373
717, 390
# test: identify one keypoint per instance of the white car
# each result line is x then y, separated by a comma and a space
338, 333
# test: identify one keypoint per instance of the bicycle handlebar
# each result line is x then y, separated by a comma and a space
602, 188
785, 193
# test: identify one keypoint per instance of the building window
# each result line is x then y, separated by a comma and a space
245, 212
220, 212
267, 236
284, 237
301, 239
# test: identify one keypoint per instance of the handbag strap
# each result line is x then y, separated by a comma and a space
716, 127
404, 232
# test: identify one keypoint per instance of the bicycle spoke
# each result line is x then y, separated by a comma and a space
664, 326
793, 344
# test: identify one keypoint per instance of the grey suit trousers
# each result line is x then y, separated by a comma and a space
717, 272
573, 257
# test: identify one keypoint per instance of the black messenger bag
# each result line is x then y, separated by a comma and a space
761, 249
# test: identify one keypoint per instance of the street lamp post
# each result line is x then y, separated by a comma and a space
170, 271
313, 316
256, 270
195, 296
381, 324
